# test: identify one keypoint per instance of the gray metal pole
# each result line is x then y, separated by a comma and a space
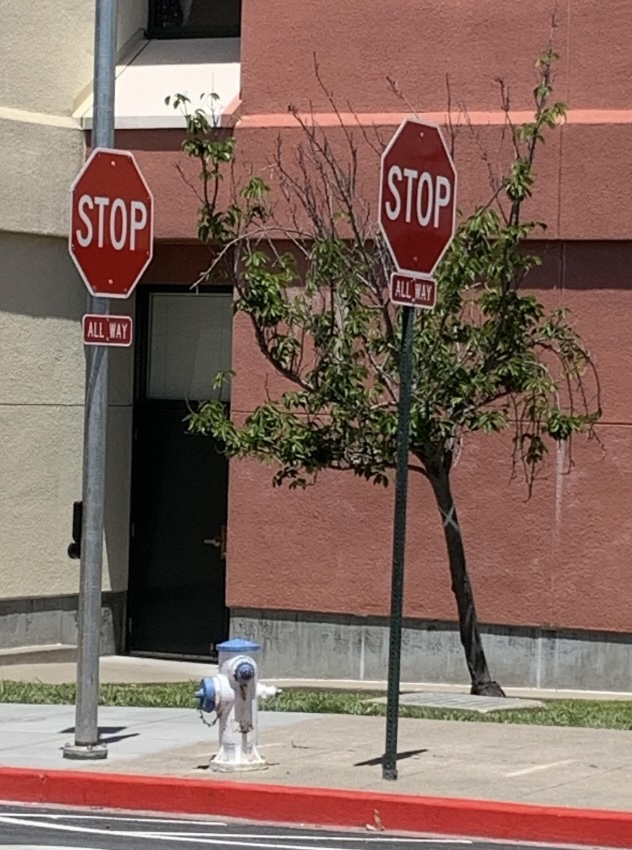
389, 763
86, 744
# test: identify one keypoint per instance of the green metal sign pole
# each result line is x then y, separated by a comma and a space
389, 764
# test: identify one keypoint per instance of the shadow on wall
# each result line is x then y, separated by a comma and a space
39, 279
39, 282
221, 51
580, 265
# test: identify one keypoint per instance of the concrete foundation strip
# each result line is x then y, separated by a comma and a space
319, 806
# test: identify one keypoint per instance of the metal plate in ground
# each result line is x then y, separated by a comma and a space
465, 702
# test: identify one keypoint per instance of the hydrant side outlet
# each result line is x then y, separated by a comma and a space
207, 695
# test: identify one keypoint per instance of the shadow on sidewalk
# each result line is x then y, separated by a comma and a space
380, 759
107, 734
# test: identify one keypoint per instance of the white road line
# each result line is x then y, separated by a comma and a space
191, 838
119, 818
364, 839
538, 767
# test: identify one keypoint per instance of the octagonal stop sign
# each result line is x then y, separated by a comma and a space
417, 207
111, 229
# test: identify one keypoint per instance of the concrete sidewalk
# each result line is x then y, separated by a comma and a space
128, 669
112, 668
488, 780
584, 768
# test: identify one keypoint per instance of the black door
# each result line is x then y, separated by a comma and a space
180, 482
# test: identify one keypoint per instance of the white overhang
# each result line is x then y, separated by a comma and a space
160, 68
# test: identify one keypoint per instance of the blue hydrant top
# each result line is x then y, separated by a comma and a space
238, 645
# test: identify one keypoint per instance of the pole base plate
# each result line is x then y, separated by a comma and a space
85, 752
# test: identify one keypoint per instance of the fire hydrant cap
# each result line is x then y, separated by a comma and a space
207, 695
245, 671
238, 645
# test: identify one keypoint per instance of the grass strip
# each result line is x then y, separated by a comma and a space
593, 714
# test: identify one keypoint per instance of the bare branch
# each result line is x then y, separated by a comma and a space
395, 88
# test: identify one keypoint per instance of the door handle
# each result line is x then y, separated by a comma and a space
219, 541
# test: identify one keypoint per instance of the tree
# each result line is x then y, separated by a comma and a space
489, 358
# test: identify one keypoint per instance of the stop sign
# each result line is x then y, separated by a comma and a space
111, 223
417, 207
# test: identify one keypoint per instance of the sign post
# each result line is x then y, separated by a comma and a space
111, 243
417, 215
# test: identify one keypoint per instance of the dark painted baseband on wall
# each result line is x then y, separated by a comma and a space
343, 646
53, 619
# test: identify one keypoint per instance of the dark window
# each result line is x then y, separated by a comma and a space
194, 18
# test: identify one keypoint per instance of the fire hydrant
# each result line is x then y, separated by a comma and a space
233, 695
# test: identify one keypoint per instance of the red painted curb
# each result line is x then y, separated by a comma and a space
320, 806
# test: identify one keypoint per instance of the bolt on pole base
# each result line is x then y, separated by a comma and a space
389, 773
87, 752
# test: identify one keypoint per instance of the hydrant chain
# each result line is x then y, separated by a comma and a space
205, 721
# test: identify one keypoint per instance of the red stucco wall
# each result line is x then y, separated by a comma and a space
359, 42
561, 559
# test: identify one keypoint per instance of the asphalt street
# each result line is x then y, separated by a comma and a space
31, 827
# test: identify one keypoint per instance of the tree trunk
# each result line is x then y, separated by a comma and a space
482, 683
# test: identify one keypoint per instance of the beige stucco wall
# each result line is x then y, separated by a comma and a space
39, 155
41, 421
47, 50
47, 66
